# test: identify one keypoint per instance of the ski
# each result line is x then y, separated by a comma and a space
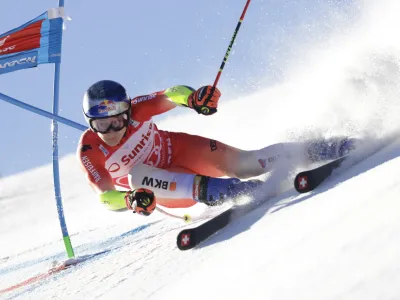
309, 180
192, 237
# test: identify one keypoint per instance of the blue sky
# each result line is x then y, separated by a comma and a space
147, 46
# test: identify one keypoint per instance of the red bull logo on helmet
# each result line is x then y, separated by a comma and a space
106, 106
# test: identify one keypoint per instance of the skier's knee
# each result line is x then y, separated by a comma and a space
249, 164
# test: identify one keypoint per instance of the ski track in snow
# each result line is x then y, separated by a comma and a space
341, 241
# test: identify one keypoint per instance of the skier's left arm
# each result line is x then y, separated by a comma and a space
203, 100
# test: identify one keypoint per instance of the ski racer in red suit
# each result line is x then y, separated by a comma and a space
131, 164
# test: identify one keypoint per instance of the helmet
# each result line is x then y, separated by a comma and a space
105, 99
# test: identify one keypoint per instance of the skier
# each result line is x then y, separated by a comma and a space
128, 161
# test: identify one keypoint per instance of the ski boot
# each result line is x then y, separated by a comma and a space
215, 191
330, 149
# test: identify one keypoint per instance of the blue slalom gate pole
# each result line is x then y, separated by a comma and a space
56, 171
39, 41
42, 112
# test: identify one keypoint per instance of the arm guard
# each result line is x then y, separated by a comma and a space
179, 94
113, 200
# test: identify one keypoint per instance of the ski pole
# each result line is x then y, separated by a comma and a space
205, 109
187, 218
228, 51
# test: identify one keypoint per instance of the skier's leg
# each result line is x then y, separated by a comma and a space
193, 155
289, 154
212, 158
174, 189
201, 155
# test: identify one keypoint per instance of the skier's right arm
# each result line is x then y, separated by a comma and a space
141, 201
92, 163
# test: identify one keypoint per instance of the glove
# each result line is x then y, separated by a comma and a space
141, 201
205, 100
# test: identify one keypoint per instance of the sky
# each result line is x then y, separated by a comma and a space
149, 46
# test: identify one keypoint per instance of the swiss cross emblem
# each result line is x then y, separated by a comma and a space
185, 239
303, 182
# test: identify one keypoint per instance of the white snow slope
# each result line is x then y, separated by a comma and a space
341, 241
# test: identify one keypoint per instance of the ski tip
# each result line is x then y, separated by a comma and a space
302, 183
186, 240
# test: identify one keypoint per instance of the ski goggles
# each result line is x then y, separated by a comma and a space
105, 125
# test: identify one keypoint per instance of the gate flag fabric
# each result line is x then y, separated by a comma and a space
36, 42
